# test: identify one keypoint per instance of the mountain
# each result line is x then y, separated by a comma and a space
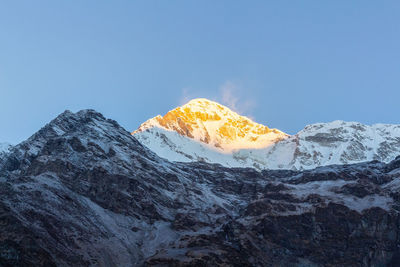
84, 192
215, 125
203, 130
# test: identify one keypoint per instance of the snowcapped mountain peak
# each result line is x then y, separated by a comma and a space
215, 125
203, 130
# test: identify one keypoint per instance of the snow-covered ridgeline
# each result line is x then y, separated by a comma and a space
319, 144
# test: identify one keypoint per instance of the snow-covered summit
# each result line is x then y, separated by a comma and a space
215, 125
203, 130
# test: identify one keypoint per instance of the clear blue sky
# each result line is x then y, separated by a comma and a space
287, 63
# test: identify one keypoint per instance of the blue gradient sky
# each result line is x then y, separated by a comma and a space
284, 63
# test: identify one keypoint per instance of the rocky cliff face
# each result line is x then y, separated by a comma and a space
84, 192
203, 130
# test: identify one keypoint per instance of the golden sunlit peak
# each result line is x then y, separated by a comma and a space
203, 102
216, 125
204, 105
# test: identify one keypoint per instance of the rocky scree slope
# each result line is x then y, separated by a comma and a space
203, 130
83, 192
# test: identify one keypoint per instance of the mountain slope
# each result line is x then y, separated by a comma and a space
84, 192
192, 133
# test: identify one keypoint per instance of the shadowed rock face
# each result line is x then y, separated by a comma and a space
82, 191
